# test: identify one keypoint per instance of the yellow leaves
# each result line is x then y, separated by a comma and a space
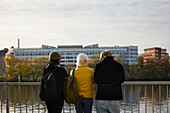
37, 65
10, 64
118, 59
9, 59
24, 67
93, 60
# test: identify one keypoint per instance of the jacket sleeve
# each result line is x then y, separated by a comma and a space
42, 91
123, 74
95, 75
92, 73
65, 73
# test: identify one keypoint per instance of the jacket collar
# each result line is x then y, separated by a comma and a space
83, 65
108, 58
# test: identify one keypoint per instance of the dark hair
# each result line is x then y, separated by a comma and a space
55, 61
51, 65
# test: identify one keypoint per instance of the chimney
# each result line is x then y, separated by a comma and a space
18, 43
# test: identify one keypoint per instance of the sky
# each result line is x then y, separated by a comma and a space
142, 23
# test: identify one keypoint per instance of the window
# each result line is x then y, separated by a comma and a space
162, 54
69, 53
70, 60
62, 53
76, 53
62, 61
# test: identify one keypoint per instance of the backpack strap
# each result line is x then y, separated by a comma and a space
52, 73
73, 72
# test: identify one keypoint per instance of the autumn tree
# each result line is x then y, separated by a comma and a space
23, 67
140, 61
93, 60
37, 65
10, 61
133, 69
165, 65
118, 59
150, 70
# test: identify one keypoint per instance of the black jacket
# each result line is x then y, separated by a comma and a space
60, 75
108, 76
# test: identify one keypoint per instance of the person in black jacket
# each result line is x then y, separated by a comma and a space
108, 75
55, 104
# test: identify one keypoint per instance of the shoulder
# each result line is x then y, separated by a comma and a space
98, 64
61, 69
90, 69
117, 63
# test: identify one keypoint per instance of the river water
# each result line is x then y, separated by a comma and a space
25, 99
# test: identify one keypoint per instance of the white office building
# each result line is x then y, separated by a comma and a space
69, 53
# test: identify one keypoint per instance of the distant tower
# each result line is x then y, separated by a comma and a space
18, 43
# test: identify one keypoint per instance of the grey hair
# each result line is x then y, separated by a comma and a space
81, 59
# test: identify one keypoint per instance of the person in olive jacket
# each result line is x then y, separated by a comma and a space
108, 75
54, 104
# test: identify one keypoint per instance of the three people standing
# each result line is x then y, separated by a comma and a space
108, 76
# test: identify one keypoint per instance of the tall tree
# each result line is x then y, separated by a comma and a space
165, 65
10, 61
151, 68
133, 69
140, 61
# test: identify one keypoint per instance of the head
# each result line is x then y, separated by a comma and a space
81, 58
105, 53
55, 56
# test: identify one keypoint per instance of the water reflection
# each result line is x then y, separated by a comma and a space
26, 99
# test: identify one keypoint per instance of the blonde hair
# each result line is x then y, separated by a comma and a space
105, 53
81, 59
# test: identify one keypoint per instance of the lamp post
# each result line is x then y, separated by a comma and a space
19, 78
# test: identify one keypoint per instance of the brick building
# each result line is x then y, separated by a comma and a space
155, 53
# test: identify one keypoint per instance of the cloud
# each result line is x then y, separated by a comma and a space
80, 21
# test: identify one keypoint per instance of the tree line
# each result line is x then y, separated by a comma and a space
28, 69
153, 70
31, 69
